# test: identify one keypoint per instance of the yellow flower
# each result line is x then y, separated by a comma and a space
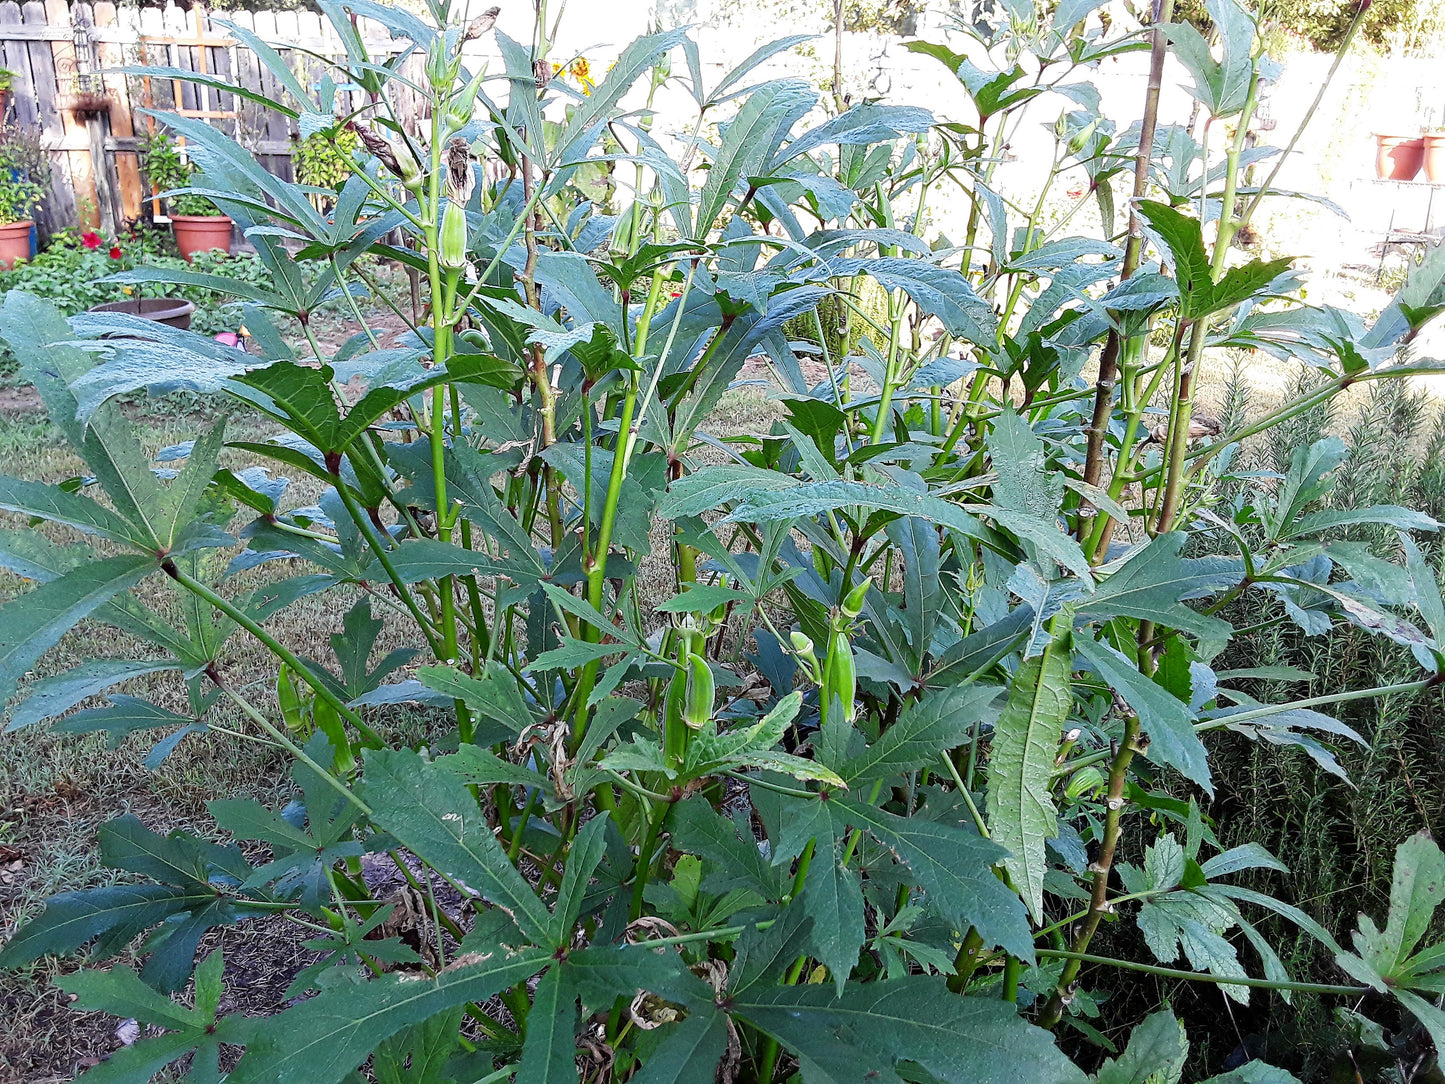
582, 71
127, 290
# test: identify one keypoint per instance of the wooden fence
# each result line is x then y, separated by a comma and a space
66, 59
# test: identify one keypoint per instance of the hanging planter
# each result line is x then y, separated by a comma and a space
1398, 157
86, 105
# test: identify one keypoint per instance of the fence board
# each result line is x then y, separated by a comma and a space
17, 59
120, 122
95, 168
70, 169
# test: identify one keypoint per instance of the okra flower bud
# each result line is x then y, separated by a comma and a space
840, 674
803, 648
464, 104
441, 68
853, 601
701, 689
452, 239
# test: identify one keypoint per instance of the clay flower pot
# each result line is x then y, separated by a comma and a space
14, 242
201, 233
1398, 157
175, 311
1434, 154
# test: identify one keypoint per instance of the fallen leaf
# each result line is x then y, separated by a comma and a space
64, 788
128, 1032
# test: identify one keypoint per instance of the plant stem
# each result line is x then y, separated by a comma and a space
379, 547
236, 614
1182, 416
1360, 9
1098, 899
1109, 357
1081, 958
644, 857
295, 750
1183, 403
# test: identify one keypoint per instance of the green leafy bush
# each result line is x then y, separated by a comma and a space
174, 176
24, 172
325, 160
930, 695
75, 275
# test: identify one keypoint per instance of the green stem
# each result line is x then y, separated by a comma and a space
1081, 958
644, 857
1183, 413
291, 747
890, 376
1360, 9
236, 614
1103, 862
380, 548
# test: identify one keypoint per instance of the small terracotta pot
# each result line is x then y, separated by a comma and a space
175, 311
1435, 158
201, 233
14, 242
1398, 157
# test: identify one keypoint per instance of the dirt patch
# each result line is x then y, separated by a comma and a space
51, 1042
20, 400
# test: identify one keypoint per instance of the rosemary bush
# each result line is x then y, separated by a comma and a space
848, 805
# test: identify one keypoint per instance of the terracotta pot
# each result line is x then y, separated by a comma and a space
1398, 157
201, 233
14, 242
1435, 158
175, 311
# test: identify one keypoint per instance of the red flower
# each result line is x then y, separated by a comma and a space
90, 240
115, 252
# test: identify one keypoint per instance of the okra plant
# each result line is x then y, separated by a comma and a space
927, 698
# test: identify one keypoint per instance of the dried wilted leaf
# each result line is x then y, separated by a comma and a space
460, 177
377, 146
481, 24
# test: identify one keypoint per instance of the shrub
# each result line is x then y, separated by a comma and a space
166, 171
325, 161
74, 274
24, 172
927, 711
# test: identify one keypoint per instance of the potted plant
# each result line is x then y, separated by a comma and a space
198, 224
24, 181
1433, 154
1398, 157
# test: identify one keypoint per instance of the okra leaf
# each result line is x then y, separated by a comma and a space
874, 1026
1026, 737
321, 1040
33, 623
432, 812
